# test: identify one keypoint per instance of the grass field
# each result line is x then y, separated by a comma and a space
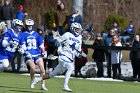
16, 83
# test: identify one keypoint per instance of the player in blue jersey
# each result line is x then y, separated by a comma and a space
70, 46
35, 46
11, 41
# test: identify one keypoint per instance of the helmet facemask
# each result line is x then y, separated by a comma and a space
76, 29
17, 25
18, 28
29, 25
29, 28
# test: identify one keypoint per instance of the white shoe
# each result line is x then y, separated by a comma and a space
34, 81
32, 84
43, 87
67, 89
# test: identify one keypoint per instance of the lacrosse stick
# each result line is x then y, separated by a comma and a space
52, 57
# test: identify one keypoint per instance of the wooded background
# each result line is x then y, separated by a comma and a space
95, 11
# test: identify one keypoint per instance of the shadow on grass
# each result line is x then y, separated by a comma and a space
25, 91
8, 87
11, 87
20, 90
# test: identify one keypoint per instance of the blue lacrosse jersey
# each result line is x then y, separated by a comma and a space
9, 51
33, 42
3, 54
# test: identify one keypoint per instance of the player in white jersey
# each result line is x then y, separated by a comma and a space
35, 46
70, 46
11, 41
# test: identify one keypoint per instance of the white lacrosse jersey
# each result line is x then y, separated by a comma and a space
69, 47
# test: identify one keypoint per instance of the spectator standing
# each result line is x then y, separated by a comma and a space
135, 57
61, 18
117, 28
6, 13
99, 54
108, 40
116, 57
80, 62
129, 33
52, 47
40, 30
20, 14
75, 17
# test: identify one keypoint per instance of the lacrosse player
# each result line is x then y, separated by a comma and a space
35, 46
11, 41
70, 46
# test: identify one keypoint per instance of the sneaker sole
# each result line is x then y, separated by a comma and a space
67, 90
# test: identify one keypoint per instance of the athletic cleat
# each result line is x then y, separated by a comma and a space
43, 87
67, 89
32, 84
34, 81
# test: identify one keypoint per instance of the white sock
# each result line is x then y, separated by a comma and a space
43, 85
38, 79
67, 77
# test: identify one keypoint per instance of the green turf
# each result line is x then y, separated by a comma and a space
16, 83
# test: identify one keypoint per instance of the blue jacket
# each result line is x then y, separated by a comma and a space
20, 15
77, 19
130, 31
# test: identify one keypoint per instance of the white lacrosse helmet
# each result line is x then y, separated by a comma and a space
29, 22
76, 25
17, 22
76, 28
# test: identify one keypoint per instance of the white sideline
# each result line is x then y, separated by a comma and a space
97, 79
